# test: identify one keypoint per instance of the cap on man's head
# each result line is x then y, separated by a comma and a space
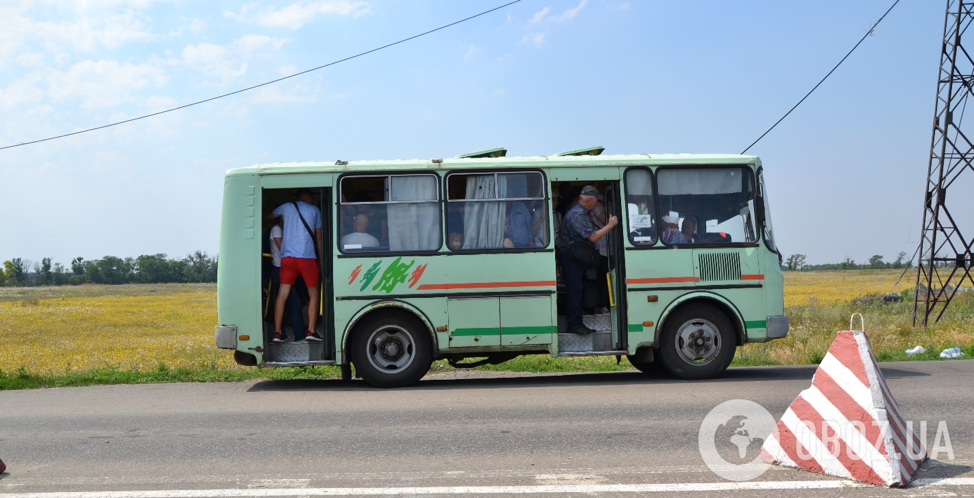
671, 217
591, 191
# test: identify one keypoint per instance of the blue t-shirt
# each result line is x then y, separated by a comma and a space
297, 242
519, 225
576, 226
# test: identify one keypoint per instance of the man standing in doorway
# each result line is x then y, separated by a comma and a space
578, 226
299, 256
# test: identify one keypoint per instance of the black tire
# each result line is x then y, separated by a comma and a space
391, 350
698, 342
648, 367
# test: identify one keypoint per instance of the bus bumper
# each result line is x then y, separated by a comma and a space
777, 327
226, 336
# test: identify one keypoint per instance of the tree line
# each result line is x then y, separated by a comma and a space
145, 269
796, 262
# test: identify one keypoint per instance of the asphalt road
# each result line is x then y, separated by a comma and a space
609, 434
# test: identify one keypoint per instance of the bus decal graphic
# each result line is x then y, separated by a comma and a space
394, 274
417, 274
370, 274
354, 275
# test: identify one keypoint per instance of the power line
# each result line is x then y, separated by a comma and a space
823, 79
268, 82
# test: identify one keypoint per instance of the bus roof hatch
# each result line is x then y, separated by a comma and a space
496, 152
588, 151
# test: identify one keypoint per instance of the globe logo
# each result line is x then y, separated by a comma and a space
731, 437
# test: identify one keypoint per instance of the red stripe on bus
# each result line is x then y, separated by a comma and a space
752, 277
662, 280
487, 285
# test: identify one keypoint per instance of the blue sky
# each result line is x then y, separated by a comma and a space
846, 170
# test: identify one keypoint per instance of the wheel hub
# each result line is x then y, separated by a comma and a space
391, 349
698, 341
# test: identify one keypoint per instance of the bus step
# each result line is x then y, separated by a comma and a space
300, 363
594, 353
574, 343
295, 352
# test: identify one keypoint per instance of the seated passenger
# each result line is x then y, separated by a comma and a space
671, 229
518, 229
359, 238
456, 241
689, 229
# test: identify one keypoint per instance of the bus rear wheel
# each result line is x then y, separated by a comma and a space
391, 350
697, 342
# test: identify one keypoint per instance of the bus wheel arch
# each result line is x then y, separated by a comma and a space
716, 301
698, 339
390, 346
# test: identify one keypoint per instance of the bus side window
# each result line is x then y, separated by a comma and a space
640, 207
496, 211
390, 213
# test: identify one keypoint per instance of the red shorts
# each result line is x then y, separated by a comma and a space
292, 267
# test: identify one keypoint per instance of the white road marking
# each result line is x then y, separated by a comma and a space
500, 490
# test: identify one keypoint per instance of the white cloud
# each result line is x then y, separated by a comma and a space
19, 33
536, 39
249, 44
273, 94
89, 33
96, 6
539, 16
27, 90
104, 83
31, 59
193, 26
228, 62
471, 52
570, 13
158, 103
298, 14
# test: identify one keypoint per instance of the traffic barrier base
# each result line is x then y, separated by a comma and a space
847, 423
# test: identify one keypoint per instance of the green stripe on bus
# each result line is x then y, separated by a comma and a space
543, 329
756, 324
635, 327
467, 332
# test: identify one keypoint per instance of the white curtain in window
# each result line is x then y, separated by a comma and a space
483, 222
413, 226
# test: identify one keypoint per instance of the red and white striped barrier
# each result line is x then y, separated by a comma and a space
847, 423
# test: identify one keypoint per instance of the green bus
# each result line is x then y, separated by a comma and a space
440, 278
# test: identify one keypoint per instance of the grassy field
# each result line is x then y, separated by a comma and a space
164, 333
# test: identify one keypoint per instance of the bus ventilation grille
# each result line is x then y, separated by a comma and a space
720, 266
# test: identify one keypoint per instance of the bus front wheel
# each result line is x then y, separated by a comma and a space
697, 342
391, 350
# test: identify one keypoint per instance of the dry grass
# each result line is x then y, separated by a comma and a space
819, 304
58, 330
